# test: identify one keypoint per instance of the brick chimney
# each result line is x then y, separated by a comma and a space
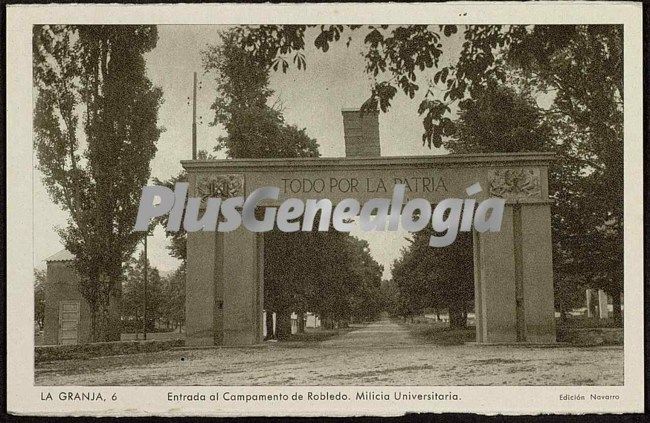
361, 133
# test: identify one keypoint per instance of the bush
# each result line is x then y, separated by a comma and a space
590, 336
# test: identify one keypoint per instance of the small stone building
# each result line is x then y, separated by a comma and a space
67, 313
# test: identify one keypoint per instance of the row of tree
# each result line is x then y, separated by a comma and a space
330, 274
440, 280
579, 68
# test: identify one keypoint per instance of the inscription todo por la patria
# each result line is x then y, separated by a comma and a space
355, 185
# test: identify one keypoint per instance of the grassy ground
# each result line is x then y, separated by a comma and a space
583, 322
318, 334
439, 333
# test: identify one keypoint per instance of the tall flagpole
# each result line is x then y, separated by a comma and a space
194, 120
146, 271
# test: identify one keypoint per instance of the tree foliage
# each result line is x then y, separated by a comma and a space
500, 120
366, 298
330, 273
584, 67
173, 288
95, 126
394, 56
579, 66
165, 297
133, 294
440, 278
253, 128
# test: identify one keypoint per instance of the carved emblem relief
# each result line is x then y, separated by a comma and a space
222, 186
515, 183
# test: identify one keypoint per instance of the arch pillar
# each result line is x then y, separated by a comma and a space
513, 278
224, 288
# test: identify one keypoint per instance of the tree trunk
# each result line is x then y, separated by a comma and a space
617, 314
456, 317
327, 323
108, 325
137, 320
269, 326
93, 323
283, 325
301, 322
563, 312
102, 324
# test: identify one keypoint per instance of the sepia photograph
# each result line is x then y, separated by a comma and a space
401, 205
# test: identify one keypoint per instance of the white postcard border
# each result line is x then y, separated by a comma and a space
24, 398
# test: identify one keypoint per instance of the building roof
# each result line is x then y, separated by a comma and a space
63, 255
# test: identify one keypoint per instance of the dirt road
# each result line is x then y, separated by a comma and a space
382, 334
380, 353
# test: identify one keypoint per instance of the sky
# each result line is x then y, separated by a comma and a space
311, 98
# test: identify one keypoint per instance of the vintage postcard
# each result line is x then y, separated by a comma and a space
324, 209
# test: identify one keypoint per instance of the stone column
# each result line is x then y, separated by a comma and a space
537, 272
224, 286
513, 278
494, 283
243, 287
203, 292
603, 310
590, 302
478, 298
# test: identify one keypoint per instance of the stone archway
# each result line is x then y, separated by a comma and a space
513, 268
